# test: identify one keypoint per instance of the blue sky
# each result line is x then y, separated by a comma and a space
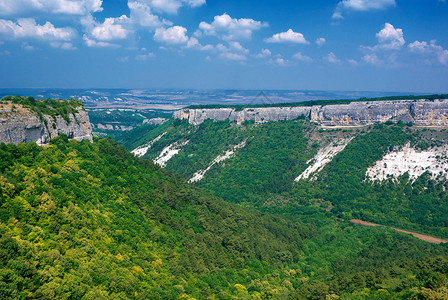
365, 45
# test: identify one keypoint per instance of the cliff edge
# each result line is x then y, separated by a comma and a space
25, 120
420, 112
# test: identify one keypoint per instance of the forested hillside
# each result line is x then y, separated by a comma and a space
91, 221
261, 173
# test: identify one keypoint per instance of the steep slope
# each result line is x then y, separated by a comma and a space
353, 172
25, 119
89, 219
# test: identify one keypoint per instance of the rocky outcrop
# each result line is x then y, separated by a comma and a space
155, 121
420, 112
21, 125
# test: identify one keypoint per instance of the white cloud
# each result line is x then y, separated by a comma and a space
233, 56
371, 59
63, 45
67, 7
321, 41
361, 5
173, 35
195, 3
390, 38
280, 61
231, 29
232, 52
353, 62
443, 57
26, 46
193, 43
28, 28
287, 37
123, 59
141, 14
111, 29
431, 50
264, 53
299, 56
92, 43
331, 58
421, 47
172, 6
146, 56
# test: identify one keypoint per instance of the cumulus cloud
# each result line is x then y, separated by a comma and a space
234, 51
172, 35
390, 37
331, 58
28, 28
431, 50
264, 53
63, 45
321, 41
172, 6
67, 7
193, 43
141, 14
231, 29
102, 34
280, 61
287, 37
361, 5
299, 56
26, 46
111, 29
146, 56
371, 59
233, 56
96, 44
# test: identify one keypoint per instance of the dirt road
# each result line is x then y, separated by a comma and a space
426, 238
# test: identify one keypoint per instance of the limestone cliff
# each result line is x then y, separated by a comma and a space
22, 125
420, 112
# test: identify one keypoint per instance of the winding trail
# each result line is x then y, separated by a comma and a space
426, 238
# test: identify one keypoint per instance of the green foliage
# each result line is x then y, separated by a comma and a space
82, 219
267, 165
49, 107
89, 220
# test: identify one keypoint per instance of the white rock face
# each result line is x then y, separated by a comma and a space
322, 158
168, 153
142, 150
421, 112
395, 164
24, 126
229, 153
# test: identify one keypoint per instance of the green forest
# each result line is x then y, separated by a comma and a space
262, 173
49, 107
83, 220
